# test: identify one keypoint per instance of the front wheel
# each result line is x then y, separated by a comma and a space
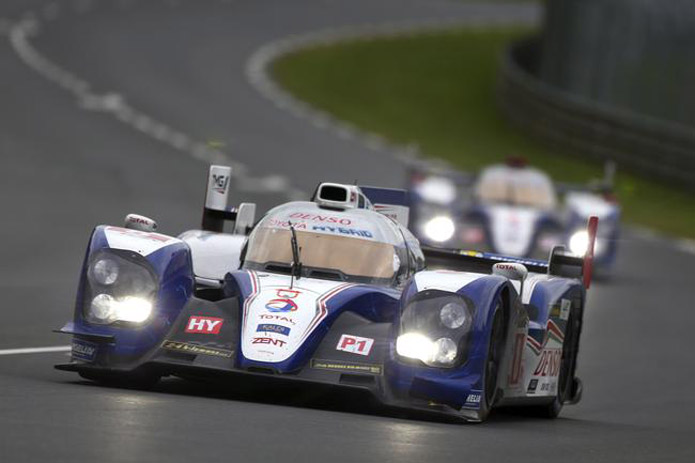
493, 361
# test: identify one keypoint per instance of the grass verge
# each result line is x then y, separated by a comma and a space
436, 90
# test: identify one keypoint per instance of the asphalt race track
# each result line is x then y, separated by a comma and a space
68, 163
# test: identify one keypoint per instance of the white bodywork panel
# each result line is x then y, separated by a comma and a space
213, 254
144, 243
588, 204
533, 368
444, 280
292, 314
512, 228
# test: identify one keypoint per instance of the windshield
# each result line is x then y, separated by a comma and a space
516, 188
322, 256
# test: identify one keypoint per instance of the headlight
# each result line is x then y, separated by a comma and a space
121, 286
101, 309
104, 271
438, 190
418, 346
439, 229
414, 345
579, 242
435, 327
444, 351
106, 309
453, 315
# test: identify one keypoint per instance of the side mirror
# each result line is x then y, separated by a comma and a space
245, 218
140, 222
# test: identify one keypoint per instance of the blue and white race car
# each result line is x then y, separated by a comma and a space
512, 209
334, 291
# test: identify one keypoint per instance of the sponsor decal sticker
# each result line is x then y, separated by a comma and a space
220, 183
517, 369
84, 350
196, 349
343, 231
278, 318
334, 365
549, 387
270, 341
272, 328
473, 400
204, 325
565, 306
140, 234
549, 364
281, 305
288, 293
355, 344
321, 218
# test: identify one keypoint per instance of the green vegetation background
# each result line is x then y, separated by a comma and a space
437, 90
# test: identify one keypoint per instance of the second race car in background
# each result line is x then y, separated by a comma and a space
512, 209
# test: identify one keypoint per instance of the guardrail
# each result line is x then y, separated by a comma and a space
637, 143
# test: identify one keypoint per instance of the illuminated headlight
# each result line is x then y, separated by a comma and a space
414, 346
102, 309
439, 229
418, 346
438, 190
444, 351
435, 327
106, 309
579, 242
121, 287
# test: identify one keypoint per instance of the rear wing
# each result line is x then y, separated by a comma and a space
215, 210
391, 202
561, 262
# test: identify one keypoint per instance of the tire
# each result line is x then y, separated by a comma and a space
129, 380
493, 360
566, 380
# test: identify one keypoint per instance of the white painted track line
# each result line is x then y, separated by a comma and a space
35, 350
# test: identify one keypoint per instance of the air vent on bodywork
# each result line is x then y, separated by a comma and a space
357, 380
333, 193
337, 196
262, 370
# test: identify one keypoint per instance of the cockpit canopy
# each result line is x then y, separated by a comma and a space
355, 245
516, 186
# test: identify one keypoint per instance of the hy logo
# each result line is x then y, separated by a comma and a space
220, 183
281, 305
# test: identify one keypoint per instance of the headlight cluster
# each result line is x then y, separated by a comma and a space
121, 287
579, 243
439, 229
435, 327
